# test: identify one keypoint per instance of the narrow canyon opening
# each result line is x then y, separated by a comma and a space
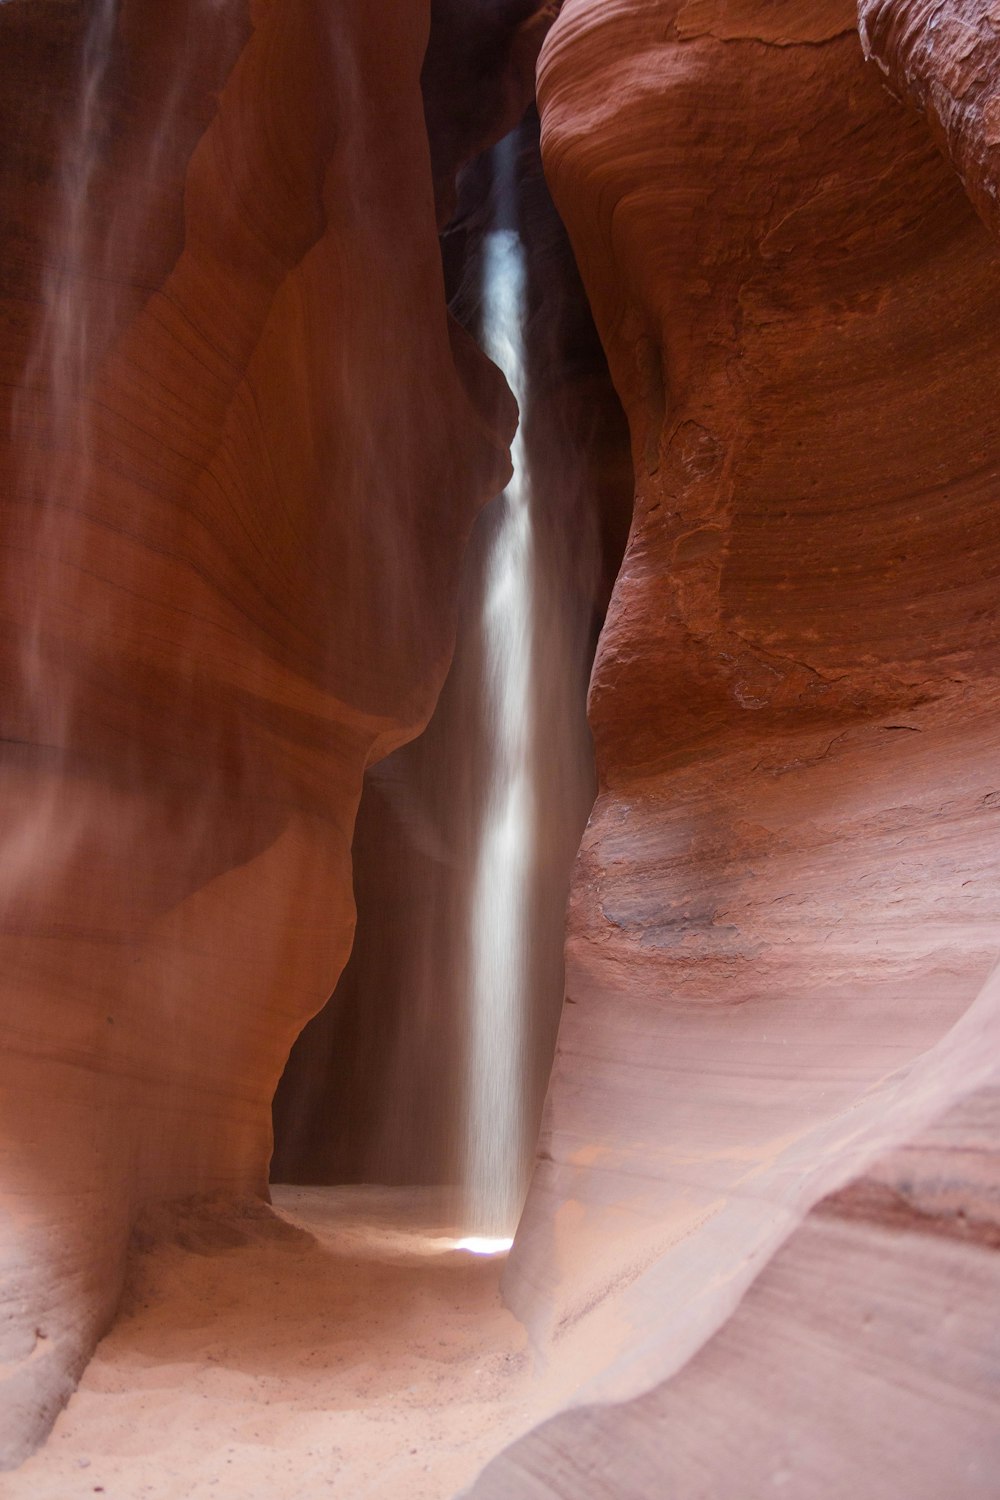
429, 1065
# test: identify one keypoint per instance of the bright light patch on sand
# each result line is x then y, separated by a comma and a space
479, 1244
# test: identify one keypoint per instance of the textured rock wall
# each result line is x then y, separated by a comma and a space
945, 59
784, 911
245, 452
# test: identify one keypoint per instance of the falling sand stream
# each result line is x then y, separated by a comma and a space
499, 974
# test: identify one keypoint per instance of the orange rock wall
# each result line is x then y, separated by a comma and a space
246, 450
784, 912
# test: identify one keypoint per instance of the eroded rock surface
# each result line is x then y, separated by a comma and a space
245, 452
858, 1362
945, 59
783, 913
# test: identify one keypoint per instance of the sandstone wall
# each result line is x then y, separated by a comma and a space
784, 910
861, 1361
945, 60
245, 452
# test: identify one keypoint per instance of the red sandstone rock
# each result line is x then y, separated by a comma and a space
946, 59
784, 907
785, 898
242, 468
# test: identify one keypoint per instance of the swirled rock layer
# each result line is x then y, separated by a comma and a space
245, 451
784, 911
945, 59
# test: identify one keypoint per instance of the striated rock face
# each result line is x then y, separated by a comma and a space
946, 60
784, 910
245, 452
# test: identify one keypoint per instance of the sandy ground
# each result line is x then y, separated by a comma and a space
340, 1347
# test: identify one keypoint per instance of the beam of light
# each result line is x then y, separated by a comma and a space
499, 916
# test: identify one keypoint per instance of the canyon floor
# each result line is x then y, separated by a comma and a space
340, 1346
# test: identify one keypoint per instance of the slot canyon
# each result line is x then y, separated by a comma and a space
500, 749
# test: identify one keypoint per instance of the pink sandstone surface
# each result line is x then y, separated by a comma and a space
761, 1244
230, 562
782, 923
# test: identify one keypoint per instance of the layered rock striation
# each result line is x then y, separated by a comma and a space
859, 1361
783, 915
245, 450
945, 60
